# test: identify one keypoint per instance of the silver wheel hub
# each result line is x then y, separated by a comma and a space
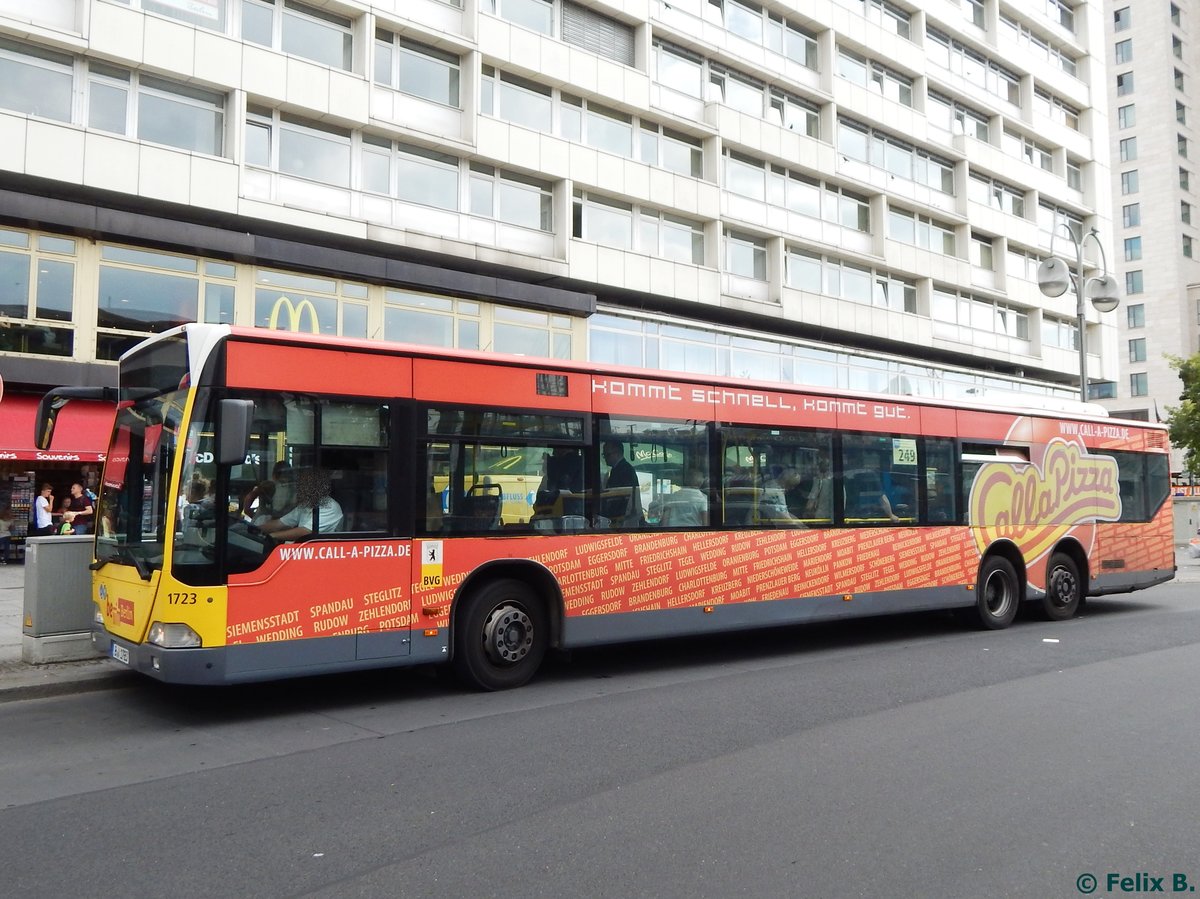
996, 594
507, 634
1062, 587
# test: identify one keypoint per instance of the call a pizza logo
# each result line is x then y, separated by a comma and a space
1035, 506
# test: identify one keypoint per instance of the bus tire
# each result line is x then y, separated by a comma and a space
997, 593
1064, 589
500, 636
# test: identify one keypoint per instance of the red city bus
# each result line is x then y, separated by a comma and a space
278, 505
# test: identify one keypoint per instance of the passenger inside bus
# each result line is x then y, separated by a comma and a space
622, 501
315, 510
687, 506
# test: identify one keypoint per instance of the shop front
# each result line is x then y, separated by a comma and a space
77, 454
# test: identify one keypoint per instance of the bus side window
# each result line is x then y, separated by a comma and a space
354, 451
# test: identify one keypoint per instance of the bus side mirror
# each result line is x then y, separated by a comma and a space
235, 431
50, 405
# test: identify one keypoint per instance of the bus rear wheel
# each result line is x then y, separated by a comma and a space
997, 593
1064, 589
500, 636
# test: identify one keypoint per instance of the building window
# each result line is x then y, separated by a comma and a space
870, 74
973, 66
1124, 51
1135, 315
299, 148
950, 114
510, 197
1181, 145
1060, 332
670, 150
1138, 385
1176, 47
1021, 147
996, 194
1185, 212
973, 10
1187, 246
156, 110
746, 255
1185, 179
293, 302
882, 150
795, 114
1133, 248
1124, 84
300, 30
412, 174
1133, 282
143, 292
517, 100
964, 318
670, 237
1174, 13
1137, 349
1180, 113
1074, 174
1129, 182
37, 272
1128, 149
604, 221
679, 70
536, 15
1126, 116
982, 252
415, 69
590, 123
1178, 80
209, 14
431, 320
1121, 19
1131, 215
597, 33
921, 231
35, 82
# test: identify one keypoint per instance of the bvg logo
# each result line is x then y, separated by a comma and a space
295, 315
1036, 506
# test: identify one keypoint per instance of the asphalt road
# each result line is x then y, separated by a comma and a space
903, 756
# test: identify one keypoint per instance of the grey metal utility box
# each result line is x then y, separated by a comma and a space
57, 620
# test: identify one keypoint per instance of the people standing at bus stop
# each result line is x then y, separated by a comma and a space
5, 535
43, 512
80, 511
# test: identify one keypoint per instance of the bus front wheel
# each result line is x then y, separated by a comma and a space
1064, 589
997, 593
500, 636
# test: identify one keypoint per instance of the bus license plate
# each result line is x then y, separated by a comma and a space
120, 653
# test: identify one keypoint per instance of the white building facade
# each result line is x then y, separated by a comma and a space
1152, 51
850, 193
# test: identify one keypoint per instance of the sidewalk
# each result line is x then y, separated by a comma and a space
19, 680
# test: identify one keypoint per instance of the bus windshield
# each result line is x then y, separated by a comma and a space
133, 503
133, 498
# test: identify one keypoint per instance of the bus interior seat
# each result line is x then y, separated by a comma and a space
483, 506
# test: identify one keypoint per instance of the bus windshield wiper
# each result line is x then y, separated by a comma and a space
124, 554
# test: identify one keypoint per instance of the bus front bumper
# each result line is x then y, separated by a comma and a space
176, 666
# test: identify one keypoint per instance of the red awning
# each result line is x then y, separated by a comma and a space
80, 435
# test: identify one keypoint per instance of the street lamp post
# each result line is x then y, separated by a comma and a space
1055, 276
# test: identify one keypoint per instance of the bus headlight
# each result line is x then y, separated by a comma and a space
173, 636
97, 615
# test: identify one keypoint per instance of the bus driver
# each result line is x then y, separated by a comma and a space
314, 508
